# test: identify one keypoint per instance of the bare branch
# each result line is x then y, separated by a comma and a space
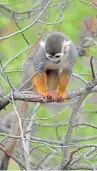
92, 68
26, 28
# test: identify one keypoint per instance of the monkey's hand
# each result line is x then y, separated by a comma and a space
62, 96
53, 96
40, 82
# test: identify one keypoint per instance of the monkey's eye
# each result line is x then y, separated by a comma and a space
57, 56
50, 56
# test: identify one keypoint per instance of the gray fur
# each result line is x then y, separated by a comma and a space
54, 43
27, 73
40, 63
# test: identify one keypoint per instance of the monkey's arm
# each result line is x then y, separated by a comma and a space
46, 84
63, 82
67, 70
40, 82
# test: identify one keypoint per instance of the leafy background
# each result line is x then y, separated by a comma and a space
72, 25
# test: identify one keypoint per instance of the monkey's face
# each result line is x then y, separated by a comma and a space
57, 57
56, 47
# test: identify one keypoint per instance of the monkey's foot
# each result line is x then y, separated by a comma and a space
44, 94
52, 96
62, 96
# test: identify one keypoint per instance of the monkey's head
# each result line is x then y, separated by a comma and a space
56, 47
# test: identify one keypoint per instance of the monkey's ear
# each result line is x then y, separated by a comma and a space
66, 45
42, 44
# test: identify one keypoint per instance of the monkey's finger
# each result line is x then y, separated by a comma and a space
52, 96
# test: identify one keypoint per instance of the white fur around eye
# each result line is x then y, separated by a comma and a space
42, 44
66, 43
66, 46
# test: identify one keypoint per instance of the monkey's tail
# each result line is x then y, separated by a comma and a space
4, 161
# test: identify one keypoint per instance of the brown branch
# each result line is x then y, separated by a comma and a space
79, 102
81, 167
70, 157
22, 96
35, 97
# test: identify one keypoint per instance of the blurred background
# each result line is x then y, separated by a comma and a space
78, 20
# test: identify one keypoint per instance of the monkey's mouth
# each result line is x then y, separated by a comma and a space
58, 61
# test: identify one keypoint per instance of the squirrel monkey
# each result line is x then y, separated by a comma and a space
52, 58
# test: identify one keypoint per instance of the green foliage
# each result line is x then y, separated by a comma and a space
73, 15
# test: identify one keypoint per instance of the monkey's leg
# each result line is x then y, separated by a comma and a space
52, 84
63, 82
40, 82
46, 84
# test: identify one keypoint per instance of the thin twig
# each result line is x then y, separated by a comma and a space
92, 68
19, 28
26, 28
